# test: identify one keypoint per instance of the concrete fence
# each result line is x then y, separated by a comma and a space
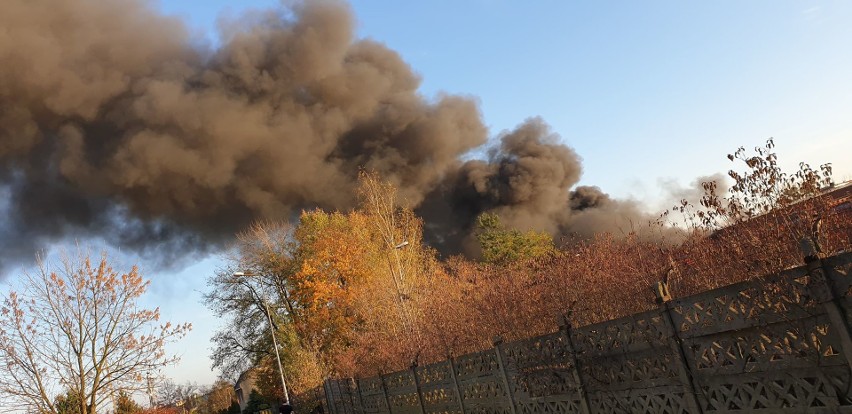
776, 344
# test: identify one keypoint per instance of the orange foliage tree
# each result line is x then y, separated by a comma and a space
343, 288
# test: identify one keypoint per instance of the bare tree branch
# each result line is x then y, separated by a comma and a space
79, 331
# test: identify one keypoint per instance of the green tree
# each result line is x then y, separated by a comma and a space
68, 403
233, 409
256, 403
124, 404
502, 246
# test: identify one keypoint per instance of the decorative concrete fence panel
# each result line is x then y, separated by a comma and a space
776, 344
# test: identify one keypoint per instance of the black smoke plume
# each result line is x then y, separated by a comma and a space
114, 124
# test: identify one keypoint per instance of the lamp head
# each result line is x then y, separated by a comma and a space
401, 245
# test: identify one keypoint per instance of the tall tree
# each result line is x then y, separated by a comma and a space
257, 278
79, 328
402, 268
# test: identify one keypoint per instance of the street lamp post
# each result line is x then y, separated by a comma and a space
272, 329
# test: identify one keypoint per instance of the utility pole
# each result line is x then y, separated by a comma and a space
150, 390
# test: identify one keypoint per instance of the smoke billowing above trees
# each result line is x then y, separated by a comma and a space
114, 124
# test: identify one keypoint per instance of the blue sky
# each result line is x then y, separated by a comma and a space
647, 92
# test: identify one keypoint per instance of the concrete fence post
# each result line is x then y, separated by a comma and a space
329, 397
822, 291
565, 329
456, 387
664, 301
417, 388
356, 387
385, 393
504, 373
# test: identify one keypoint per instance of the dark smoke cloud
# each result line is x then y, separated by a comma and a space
528, 182
114, 125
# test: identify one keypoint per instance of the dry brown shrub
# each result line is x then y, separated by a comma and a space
751, 232
596, 280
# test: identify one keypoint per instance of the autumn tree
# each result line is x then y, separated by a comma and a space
756, 226
77, 329
341, 287
333, 256
762, 187
402, 267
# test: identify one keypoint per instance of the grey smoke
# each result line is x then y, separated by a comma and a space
114, 125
